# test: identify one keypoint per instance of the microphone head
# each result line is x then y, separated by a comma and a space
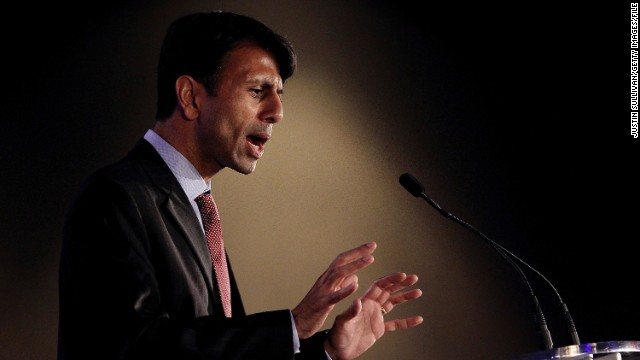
411, 184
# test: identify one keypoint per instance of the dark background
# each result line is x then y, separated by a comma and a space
521, 108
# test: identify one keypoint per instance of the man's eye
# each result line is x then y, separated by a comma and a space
256, 92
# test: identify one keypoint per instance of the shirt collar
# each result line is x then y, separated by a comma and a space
189, 178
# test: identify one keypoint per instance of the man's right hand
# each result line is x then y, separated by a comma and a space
334, 285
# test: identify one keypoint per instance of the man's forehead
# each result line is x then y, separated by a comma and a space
255, 63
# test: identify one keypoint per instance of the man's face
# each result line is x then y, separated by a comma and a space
238, 120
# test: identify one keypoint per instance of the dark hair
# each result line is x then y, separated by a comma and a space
195, 45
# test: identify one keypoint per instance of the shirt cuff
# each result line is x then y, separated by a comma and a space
296, 339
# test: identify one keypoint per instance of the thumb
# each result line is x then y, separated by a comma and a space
353, 310
344, 292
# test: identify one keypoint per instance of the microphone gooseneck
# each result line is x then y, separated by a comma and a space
413, 186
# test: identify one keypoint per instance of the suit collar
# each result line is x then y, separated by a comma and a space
176, 205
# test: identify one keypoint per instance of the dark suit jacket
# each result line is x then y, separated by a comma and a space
136, 280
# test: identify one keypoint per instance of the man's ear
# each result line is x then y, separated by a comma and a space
186, 90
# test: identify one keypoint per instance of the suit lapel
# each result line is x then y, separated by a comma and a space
177, 207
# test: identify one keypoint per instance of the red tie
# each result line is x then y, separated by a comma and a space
213, 231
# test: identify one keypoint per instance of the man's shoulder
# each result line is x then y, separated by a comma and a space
130, 166
138, 168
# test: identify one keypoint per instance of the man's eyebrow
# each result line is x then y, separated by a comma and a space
267, 83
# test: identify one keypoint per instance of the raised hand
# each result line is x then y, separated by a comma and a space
363, 323
335, 284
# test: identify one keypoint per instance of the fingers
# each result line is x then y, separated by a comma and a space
401, 297
397, 281
390, 291
351, 261
355, 253
397, 297
335, 284
382, 289
346, 288
388, 281
340, 276
399, 324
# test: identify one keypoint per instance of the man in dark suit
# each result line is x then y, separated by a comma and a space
136, 274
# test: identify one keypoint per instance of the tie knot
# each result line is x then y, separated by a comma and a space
207, 206
203, 197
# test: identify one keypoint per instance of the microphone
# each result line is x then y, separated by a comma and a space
415, 188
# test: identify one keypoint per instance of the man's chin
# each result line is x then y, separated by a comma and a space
246, 168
